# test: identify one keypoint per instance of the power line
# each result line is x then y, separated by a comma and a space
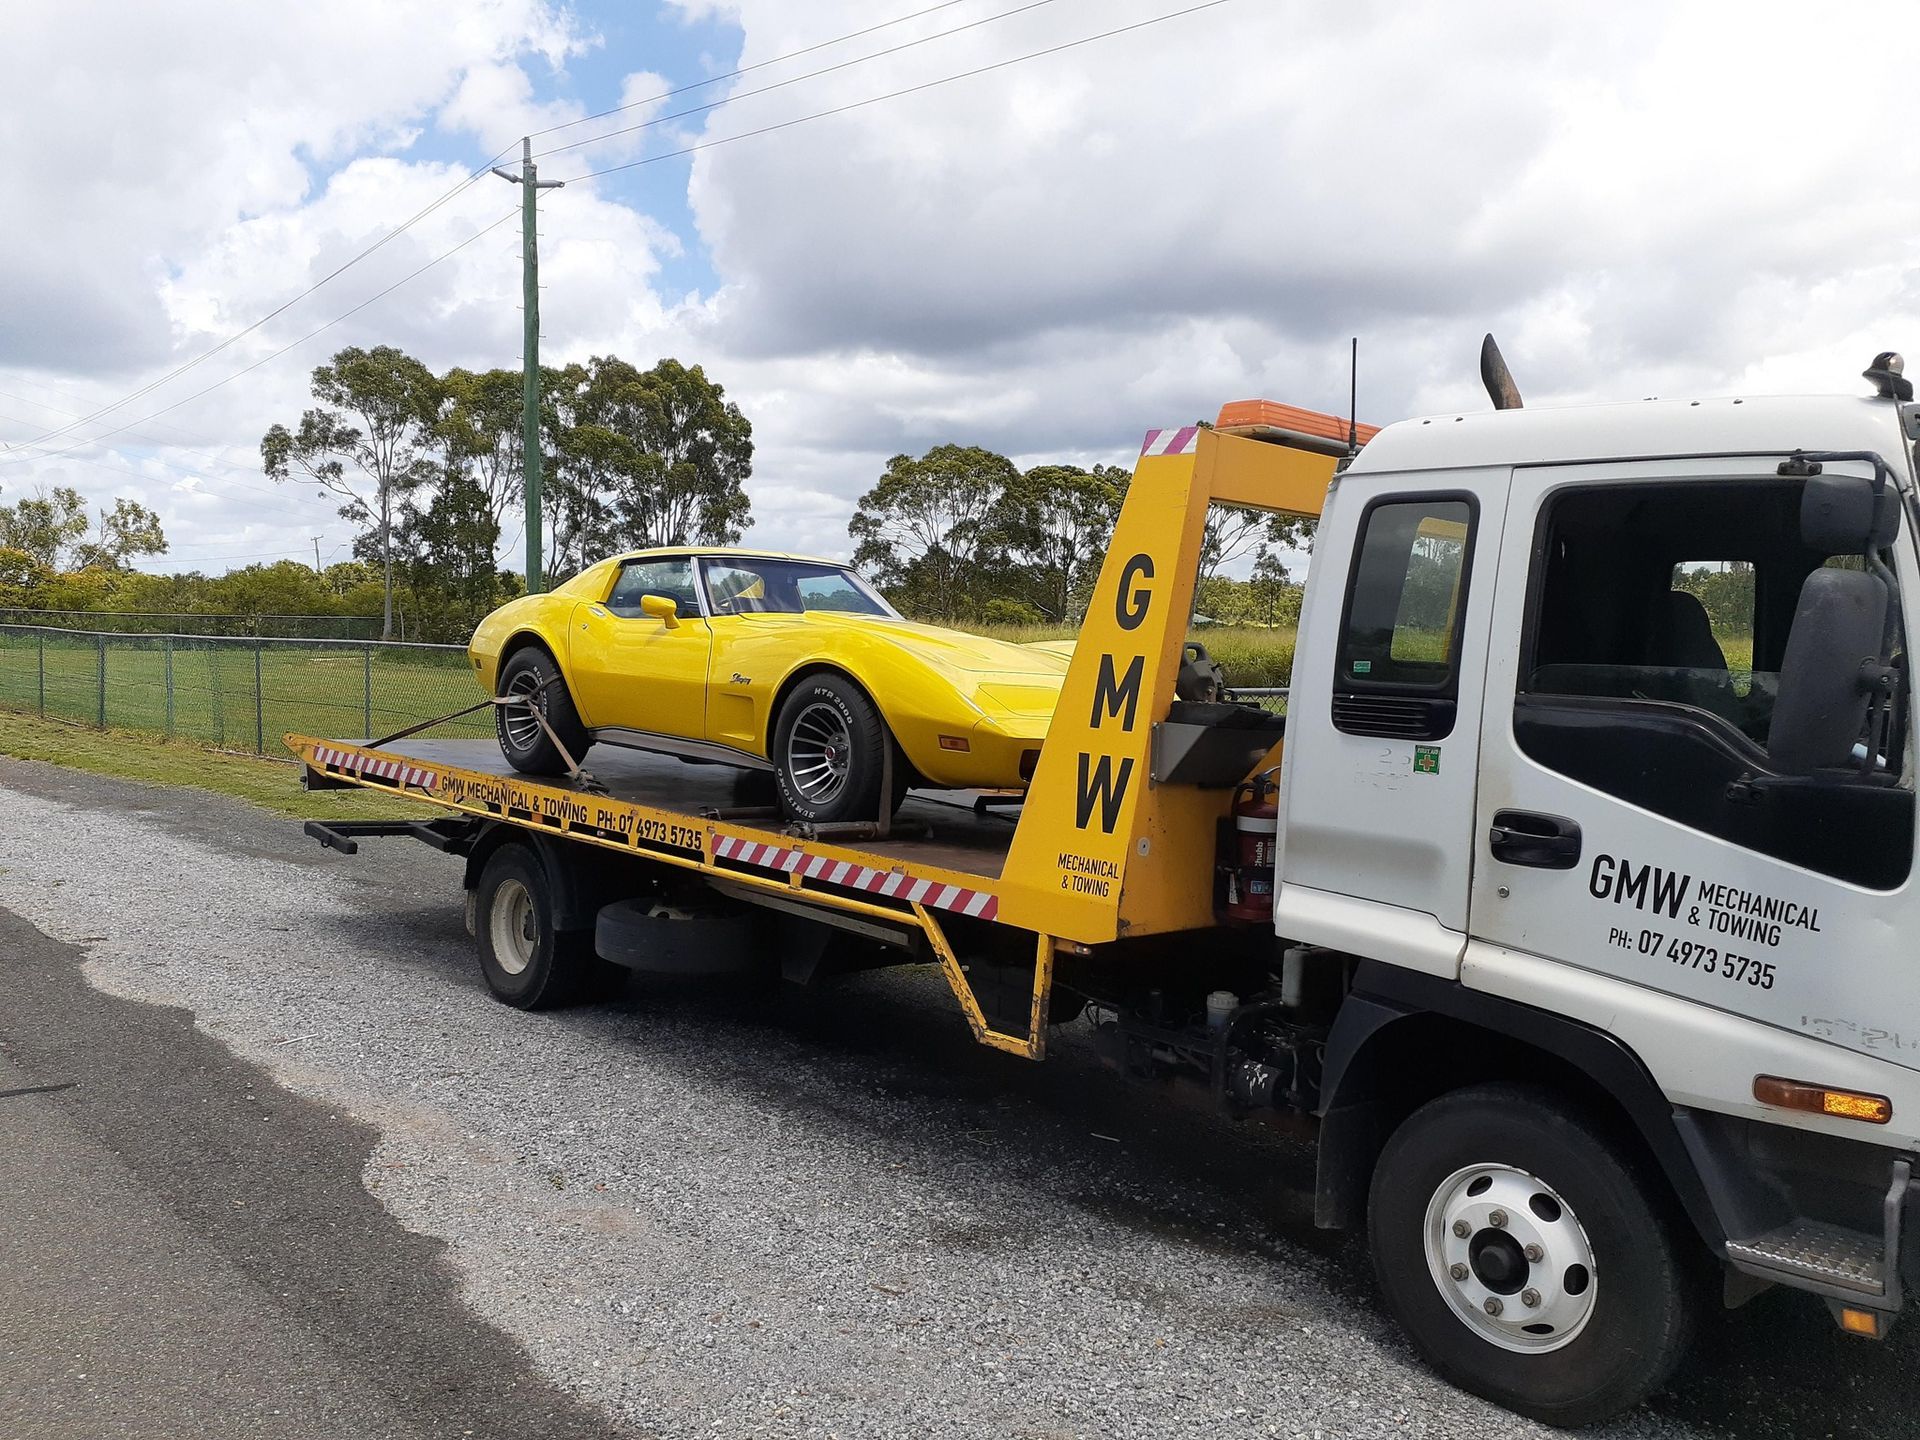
266, 359
896, 94
482, 169
791, 80
688, 150
744, 69
192, 560
103, 465
189, 448
174, 465
332, 275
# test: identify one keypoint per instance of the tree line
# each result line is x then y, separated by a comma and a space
427, 468
962, 534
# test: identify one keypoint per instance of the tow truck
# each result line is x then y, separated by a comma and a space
1581, 946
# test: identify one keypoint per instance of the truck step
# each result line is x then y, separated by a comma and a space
1814, 1250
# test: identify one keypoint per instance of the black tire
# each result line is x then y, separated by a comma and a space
527, 963
827, 721
528, 748
1639, 1297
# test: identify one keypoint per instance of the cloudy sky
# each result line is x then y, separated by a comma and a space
1046, 258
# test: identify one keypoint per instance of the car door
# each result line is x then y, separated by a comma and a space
1631, 823
635, 671
1383, 722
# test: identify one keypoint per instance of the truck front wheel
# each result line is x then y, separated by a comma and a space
527, 963
1529, 1255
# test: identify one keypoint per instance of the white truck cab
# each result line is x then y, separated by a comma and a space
1530, 786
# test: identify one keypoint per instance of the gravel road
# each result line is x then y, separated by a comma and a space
707, 1214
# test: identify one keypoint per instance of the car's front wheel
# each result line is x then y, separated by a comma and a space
828, 746
534, 676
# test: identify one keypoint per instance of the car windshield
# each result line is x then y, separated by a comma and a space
749, 585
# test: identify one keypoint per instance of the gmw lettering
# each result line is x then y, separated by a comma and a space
1102, 780
1645, 887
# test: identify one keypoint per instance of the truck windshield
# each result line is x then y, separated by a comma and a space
749, 585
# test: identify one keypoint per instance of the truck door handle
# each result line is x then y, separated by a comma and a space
1524, 837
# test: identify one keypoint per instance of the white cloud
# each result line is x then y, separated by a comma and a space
1047, 259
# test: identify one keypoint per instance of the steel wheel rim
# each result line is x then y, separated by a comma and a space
517, 722
819, 753
513, 927
1510, 1258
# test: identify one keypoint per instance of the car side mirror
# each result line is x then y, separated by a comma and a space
1829, 670
661, 607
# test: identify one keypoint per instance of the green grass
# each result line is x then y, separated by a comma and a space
311, 690
274, 784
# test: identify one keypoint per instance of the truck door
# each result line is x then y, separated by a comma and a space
1630, 820
1383, 724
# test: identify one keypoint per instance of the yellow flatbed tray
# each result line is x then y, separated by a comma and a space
658, 806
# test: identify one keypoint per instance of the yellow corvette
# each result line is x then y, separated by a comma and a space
767, 661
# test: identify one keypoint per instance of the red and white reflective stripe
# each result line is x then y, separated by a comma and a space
1179, 441
379, 769
895, 884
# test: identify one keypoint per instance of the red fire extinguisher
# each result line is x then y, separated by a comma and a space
1249, 861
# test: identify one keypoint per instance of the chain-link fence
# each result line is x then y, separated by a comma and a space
155, 622
235, 693
1267, 697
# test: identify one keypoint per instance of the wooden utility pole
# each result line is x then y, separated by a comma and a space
530, 186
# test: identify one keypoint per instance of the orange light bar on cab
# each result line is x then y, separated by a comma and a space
1818, 1100
1263, 419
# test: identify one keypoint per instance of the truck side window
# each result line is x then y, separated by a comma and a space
1398, 666
1657, 618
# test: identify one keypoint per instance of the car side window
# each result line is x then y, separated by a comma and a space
672, 579
831, 592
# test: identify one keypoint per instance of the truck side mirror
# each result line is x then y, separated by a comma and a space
661, 608
1843, 515
1827, 673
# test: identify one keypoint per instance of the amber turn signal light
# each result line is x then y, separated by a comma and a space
1818, 1100
1860, 1322
954, 742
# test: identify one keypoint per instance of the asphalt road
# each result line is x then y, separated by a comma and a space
302, 1177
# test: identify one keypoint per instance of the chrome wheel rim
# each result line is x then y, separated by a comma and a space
819, 753
1511, 1258
513, 927
517, 722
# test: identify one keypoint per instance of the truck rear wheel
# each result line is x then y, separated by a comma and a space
527, 963
1528, 1255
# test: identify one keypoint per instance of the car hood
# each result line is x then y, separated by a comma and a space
1015, 679
957, 649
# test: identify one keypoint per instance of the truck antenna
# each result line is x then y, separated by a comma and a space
1497, 378
1353, 398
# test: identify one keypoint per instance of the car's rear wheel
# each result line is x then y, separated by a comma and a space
828, 748
535, 675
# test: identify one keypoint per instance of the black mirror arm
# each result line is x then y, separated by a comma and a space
1804, 463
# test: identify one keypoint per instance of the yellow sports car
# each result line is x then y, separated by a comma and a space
767, 661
